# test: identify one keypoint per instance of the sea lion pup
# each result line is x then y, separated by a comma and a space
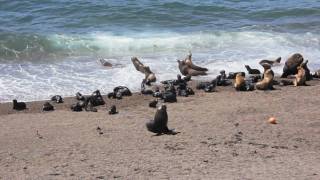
19, 105
104, 62
47, 107
57, 99
240, 83
252, 71
291, 65
307, 71
300, 77
153, 103
270, 62
113, 110
189, 62
267, 81
149, 75
159, 124
187, 71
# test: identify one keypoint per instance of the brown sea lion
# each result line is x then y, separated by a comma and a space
291, 65
252, 71
300, 77
149, 75
189, 62
271, 62
187, 71
240, 83
267, 81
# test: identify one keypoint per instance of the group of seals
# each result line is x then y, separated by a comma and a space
149, 75
88, 102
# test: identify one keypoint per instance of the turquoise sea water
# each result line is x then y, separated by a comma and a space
52, 47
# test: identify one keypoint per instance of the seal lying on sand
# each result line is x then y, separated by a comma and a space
57, 99
159, 124
291, 65
188, 71
270, 62
47, 107
252, 71
19, 105
300, 77
189, 62
207, 86
222, 79
267, 81
149, 75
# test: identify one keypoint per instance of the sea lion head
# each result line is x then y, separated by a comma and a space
222, 72
278, 60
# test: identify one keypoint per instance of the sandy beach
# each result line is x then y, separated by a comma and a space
223, 135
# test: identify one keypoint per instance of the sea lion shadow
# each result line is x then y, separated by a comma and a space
167, 133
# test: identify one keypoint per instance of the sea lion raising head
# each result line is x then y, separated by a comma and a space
149, 75
187, 71
252, 71
19, 105
291, 65
159, 124
267, 81
189, 62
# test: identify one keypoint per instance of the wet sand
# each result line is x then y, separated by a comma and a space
223, 135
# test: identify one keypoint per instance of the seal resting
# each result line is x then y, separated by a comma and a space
189, 62
240, 83
188, 71
47, 107
159, 124
291, 65
252, 71
57, 99
153, 103
267, 81
300, 77
19, 105
270, 62
149, 75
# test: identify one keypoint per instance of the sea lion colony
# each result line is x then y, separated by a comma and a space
295, 65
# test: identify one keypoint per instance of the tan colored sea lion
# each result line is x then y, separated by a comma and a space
149, 75
240, 83
300, 77
291, 65
267, 82
271, 62
187, 71
189, 62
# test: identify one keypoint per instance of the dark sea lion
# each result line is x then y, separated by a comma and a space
47, 107
307, 71
57, 99
207, 86
187, 71
76, 107
113, 110
233, 75
159, 124
222, 79
189, 62
240, 83
270, 62
285, 82
153, 103
254, 78
300, 77
19, 106
187, 78
79, 96
252, 71
291, 65
267, 81
104, 62
149, 75
146, 89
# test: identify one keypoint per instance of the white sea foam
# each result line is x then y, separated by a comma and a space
81, 71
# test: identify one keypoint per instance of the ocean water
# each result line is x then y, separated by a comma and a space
50, 47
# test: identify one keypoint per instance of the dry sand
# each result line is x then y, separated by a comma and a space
223, 135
